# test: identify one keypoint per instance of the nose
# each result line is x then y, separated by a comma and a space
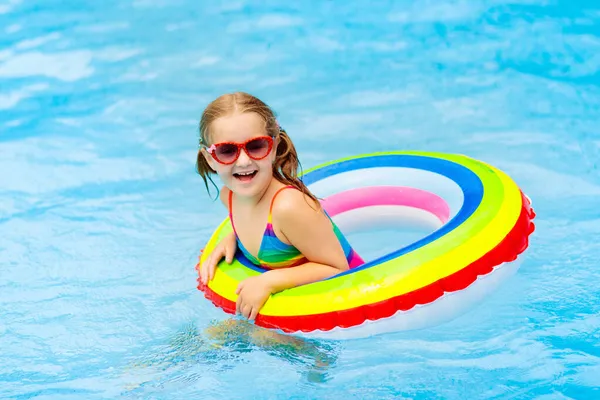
243, 160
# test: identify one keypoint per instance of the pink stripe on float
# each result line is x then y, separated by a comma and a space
387, 196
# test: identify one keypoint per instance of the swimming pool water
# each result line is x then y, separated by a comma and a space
102, 215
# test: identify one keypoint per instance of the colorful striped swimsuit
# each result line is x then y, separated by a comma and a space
273, 253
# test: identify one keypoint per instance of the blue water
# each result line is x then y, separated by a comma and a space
102, 215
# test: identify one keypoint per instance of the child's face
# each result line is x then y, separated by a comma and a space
245, 176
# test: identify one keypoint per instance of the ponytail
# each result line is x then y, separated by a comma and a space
205, 171
285, 167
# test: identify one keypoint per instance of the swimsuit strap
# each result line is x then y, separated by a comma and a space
275, 195
270, 206
231, 209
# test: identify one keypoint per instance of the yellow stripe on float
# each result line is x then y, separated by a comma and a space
407, 273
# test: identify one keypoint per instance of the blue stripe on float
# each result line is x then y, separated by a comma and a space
239, 255
441, 166
466, 179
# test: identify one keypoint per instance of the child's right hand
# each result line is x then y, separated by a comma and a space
226, 248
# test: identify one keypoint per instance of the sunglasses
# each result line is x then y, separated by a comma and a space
228, 152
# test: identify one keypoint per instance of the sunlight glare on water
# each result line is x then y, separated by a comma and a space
102, 215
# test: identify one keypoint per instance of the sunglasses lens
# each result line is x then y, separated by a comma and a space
258, 148
226, 152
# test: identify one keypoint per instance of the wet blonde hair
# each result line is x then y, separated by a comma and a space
286, 165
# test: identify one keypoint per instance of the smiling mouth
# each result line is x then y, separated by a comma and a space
245, 176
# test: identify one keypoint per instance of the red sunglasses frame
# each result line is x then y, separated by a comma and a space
239, 146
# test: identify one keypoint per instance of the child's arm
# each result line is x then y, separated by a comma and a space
224, 196
226, 247
285, 278
309, 230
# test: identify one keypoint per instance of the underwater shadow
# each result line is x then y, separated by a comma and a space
221, 346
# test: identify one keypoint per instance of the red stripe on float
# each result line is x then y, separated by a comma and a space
507, 250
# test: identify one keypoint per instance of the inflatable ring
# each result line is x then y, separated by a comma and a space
481, 223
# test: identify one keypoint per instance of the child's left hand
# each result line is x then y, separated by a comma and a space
252, 294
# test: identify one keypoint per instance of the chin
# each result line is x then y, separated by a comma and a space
250, 187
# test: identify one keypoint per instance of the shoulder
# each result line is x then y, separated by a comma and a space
291, 205
305, 225
224, 196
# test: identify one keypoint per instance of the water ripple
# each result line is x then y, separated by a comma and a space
102, 214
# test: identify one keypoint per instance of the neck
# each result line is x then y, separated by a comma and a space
267, 193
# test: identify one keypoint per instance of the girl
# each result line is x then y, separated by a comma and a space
277, 223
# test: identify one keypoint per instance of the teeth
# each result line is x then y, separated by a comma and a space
245, 173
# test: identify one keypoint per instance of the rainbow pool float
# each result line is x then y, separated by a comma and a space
479, 222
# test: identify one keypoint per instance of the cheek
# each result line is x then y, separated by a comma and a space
211, 162
222, 169
272, 156
267, 162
